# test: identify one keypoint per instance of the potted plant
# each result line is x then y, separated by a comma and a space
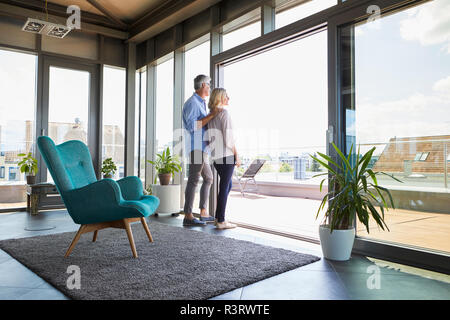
108, 168
148, 191
354, 192
166, 166
29, 166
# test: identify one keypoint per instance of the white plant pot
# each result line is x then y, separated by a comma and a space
169, 197
337, 245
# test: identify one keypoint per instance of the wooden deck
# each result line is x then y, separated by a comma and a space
297, 215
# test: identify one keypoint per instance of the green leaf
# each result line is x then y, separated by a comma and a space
372, 175
365, 160
328, 158
341, 155
324, 164
391, 176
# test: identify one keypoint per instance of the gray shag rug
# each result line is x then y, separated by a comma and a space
179, 264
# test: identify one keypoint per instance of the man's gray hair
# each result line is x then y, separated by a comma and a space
199, 80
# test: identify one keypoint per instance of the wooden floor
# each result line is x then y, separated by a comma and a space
296, 215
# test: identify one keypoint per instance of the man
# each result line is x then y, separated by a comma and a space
195, 119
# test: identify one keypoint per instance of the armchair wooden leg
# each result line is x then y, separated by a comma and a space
95, 236
147, 230
130, 237
75, 240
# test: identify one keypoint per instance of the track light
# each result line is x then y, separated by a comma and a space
45, 27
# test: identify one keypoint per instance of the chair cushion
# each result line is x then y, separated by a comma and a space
146, 205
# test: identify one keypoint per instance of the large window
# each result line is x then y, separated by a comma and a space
17, 107
114, 117
279, 108
242, 29
136, 122
196, 62
68, 106
68, 109
142, 124
401, 106
164, 105
289, 11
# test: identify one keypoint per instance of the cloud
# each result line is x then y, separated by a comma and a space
417, 115
428, 24
443, 86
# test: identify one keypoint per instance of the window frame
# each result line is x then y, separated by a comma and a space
409, 255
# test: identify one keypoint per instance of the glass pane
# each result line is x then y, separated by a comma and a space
241, 30
143, 125
402, 108
137, 124
114, 118
288, 12
17, 106
68, 106
282, 122
196, 62
164, 105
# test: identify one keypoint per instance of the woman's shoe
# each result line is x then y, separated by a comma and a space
225, 225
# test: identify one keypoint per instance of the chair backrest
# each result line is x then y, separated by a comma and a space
69, 163
254, 168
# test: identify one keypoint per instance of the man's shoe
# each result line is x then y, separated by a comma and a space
207, 219
193, 222
225, 225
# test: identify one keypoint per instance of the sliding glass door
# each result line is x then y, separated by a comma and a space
279, 109
17, 121
396, 95
70, 107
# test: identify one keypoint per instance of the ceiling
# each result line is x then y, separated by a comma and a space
128, 11
142, 19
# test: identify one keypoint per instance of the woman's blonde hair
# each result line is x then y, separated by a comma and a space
216, 98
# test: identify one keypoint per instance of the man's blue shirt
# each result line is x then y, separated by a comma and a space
194, 109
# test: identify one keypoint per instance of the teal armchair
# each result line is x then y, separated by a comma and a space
95, 204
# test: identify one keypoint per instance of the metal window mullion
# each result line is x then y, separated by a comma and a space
130, 117
267, 19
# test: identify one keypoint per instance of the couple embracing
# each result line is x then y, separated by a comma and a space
208, 132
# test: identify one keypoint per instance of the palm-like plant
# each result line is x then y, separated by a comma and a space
166, 163
352, 192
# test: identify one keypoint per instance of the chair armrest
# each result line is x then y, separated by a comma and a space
131, 188
94, 202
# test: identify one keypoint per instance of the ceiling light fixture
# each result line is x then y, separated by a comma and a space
45, 27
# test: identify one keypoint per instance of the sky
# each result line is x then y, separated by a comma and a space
403, 74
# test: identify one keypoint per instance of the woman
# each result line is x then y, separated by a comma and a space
224, 154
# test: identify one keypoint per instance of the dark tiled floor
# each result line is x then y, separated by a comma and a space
320, 280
